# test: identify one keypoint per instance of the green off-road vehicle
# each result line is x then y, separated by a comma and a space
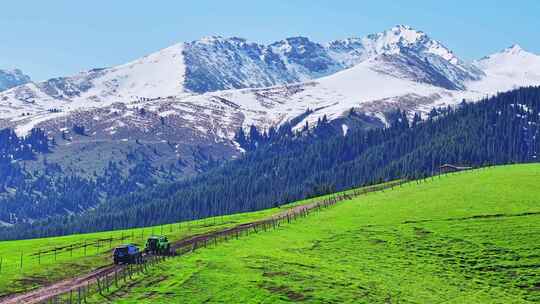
158, 245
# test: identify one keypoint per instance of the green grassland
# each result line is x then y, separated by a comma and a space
471, 237
40, 266
28, 264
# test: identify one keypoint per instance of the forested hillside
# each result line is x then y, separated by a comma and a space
501, 129
34, 187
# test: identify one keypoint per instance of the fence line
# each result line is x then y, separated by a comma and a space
102, 282
22, 260
18, 263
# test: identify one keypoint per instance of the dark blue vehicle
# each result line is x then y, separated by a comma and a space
127, 254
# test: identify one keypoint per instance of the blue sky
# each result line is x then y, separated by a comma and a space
56, 38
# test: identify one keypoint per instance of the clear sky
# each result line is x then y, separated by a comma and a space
61, 37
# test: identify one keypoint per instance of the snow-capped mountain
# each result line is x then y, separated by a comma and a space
215, 85
511, 68
12, 78
217, 63
383, 82
169, 114
408, 48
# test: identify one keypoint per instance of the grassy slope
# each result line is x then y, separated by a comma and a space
460, 238
36, 272
71, 262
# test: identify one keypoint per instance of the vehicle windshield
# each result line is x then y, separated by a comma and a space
122, 250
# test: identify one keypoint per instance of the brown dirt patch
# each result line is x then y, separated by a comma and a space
33, 281
287, 292
275, 274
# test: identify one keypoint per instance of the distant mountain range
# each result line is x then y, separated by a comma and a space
266, 85
177, 110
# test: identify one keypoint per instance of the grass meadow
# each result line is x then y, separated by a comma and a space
469, 237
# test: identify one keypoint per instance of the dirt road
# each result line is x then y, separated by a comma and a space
190, 243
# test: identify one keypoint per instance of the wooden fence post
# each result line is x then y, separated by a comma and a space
99, 285
87, 291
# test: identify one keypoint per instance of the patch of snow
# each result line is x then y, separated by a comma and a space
5, 224
238, 147
167, 113
345, 129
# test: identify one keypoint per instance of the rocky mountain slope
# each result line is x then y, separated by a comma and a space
400, 65
12, 78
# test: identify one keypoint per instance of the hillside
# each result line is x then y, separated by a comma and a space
30, 266
284, 169
174, 114
461, 238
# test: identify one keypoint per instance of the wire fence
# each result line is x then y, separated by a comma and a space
22, 260
116, 277
18, 263
101, 284
112, 280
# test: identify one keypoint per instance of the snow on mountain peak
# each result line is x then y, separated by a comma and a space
514, 49
293, 44
404, 41
209, 39
393, 40
508, 69
406, 33
213, 40
511, 55
402, 38
387, 66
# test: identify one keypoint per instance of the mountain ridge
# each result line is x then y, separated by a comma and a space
131, 126
214, 67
